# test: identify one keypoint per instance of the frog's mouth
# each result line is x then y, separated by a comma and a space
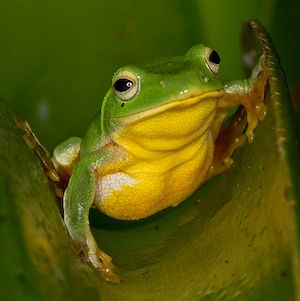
169, 126
178, 104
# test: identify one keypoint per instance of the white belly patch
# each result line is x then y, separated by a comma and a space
112, 182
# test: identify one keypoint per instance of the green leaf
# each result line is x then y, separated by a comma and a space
35, 255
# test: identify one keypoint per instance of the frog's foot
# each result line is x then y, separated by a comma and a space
99, 259
230, 138
102, 263
255, 96
33, 143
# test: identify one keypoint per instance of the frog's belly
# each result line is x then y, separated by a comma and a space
131, 195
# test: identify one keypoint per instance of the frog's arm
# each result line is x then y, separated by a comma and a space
250, 93
78, 200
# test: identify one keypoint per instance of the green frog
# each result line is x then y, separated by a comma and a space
159, 135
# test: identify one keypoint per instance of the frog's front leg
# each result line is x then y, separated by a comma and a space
78, 199
251, 94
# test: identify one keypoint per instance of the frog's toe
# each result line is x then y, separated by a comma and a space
261, 111
108, 275
101, 262
106, 267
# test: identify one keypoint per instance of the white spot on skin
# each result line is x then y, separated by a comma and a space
112, 182
206, 79
79, 210
184, 91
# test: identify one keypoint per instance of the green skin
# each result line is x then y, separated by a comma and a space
159, 82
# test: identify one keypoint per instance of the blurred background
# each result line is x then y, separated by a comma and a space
57, 57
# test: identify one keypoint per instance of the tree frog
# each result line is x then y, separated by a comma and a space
158, 136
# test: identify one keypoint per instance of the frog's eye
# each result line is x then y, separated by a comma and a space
212, 60
126, 85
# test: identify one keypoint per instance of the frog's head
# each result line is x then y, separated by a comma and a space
163, 84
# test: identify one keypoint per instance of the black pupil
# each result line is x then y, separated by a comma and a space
214, 57
123, 84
